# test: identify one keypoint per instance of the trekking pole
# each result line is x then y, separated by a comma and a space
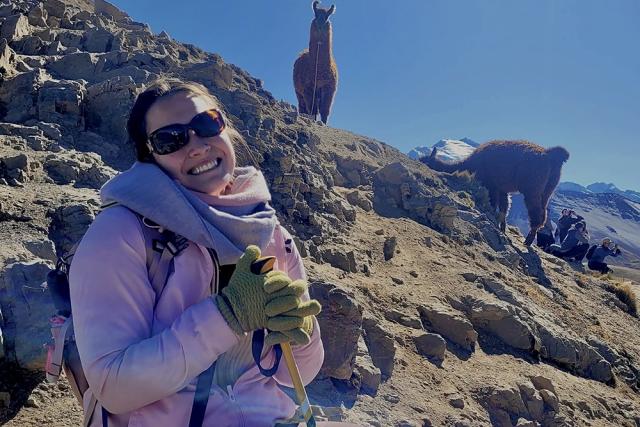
301, 393
303, 412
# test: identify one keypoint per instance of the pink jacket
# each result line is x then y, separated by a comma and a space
142, 363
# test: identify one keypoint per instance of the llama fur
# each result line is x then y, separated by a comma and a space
505, 167
316, 68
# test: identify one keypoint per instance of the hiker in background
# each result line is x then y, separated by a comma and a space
575, 245
599, 253
566, 220
143, 354
544, 237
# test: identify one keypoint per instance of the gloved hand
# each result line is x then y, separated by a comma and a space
246, 300
295, 325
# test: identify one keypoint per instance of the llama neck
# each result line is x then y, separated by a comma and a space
320, 45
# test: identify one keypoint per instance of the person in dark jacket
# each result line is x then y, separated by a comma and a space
607, 248
566, 220
575, 244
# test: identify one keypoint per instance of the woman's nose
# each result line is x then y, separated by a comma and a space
197, 145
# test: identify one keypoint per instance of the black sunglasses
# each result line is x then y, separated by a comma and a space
171, 138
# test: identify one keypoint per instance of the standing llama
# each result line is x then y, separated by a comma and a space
505, 167
315, 75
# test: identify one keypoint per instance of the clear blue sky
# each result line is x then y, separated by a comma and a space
556, 72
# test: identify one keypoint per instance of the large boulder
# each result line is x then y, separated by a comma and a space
61, 102
107, 107
17, 95
501, 320
27, 308
340, 326
381, 345
15, 27
449, 323
74, 66
399, 191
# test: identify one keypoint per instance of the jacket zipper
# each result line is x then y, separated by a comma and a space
232, 398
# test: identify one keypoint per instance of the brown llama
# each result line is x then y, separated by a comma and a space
505, 167
315, 75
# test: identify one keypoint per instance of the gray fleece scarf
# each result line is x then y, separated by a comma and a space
226, 223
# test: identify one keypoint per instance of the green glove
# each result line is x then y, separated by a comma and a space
246, 300
295, 325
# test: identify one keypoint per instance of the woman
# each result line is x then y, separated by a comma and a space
596, 260
142, 353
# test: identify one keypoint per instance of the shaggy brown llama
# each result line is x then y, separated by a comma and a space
505, 167
315, 75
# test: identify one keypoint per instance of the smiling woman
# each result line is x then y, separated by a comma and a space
179, 351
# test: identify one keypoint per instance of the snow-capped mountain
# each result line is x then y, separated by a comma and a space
449, 150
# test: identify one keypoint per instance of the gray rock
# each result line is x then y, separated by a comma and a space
358, 198
97, 40
15, 27
389, 248
107, 107
508, 400
533, 401
450, 324
55, 8
7, 55
501, 320
20, 161
68, 224
396, 316
62, 171
456, 401
342, 316
542, 383
370, 375
61, 102
74, 66
550, 399
17, 94
38, 16
339, 259
400, 191
381, 345
28, 309
432, 346
43, 249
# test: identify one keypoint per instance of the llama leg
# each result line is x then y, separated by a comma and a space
302, 106
537, 215
327, 99
503, 208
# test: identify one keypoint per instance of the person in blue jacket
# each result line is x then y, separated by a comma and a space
596, 260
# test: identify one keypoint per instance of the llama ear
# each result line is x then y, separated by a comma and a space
331, 10
315, 6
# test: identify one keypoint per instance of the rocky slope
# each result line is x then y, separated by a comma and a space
431, 315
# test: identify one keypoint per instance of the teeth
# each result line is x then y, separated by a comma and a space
204, 168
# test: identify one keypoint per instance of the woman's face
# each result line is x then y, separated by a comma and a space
218, 150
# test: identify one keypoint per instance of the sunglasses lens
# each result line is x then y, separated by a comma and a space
208, 124
169, 140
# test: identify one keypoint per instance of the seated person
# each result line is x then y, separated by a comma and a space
545, 236
575, 245
596, 261
566, 220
